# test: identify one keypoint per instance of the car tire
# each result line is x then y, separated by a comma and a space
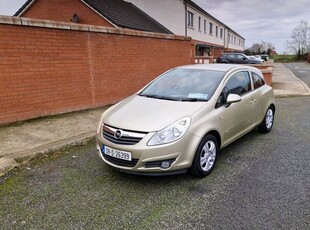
267, 123
205, 157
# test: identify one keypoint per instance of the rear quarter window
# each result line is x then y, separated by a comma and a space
258, 81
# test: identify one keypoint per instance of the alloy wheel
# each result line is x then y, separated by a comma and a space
269, 118
208, 155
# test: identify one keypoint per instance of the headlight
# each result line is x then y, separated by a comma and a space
171, 133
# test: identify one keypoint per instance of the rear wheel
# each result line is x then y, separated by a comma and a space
268, 121
205, 157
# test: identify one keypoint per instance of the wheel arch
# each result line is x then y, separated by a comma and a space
216, 135
196, 170
272, 105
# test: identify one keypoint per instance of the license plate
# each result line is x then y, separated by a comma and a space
116, 153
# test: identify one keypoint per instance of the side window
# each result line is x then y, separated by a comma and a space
239, 83
258, 81
239, 57
231, 56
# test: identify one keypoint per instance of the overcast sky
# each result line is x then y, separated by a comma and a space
255, 20
267, 20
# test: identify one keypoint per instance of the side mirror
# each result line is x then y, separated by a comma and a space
233, 98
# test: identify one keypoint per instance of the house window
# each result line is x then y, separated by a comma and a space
216, 31
210, 28
199, 23
221, 32
228, 38
234, 40
190, 19
205, 26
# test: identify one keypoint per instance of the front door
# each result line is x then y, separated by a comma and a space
238, 117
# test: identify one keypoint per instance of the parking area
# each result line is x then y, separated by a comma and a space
260, 182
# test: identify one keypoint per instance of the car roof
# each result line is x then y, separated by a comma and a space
232, 53
217, 67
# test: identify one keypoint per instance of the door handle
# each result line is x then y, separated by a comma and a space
253, 101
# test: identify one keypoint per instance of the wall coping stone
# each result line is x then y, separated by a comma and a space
21, 21
262, 66
267, 70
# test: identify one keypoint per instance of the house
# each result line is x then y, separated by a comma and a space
184, 17
110, 13
210, 36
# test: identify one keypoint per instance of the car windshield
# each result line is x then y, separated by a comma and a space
184, 84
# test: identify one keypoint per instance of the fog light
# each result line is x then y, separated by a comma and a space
165, 164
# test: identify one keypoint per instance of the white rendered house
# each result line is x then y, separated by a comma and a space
183, 17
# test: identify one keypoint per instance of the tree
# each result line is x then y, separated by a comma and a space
248, 52
261, 48
270, 48
300, 39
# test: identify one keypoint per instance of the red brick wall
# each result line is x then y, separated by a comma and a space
63, 10
218, 52
47, 71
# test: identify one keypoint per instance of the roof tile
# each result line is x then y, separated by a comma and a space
126, 15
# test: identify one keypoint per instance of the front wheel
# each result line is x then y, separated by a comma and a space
205, 157
268, 121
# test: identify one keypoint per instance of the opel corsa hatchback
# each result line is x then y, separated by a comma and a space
179, 121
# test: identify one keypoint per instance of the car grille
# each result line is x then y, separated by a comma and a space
121, 162
122, 137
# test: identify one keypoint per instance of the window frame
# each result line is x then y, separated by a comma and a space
190, 19
253, 82
225, 94
205, 25
210, 28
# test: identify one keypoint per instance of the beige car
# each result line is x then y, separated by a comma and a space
179, 121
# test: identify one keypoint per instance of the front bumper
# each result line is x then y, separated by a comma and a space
147, 160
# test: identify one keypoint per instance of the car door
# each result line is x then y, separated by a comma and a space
238, 117
241, 59
231, 58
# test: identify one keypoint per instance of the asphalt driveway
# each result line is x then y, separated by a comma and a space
260, 182
300, 70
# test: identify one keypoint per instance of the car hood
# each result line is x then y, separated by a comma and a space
148, 114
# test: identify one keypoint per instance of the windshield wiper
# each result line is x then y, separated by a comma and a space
173, 98
193, 99
158, 97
